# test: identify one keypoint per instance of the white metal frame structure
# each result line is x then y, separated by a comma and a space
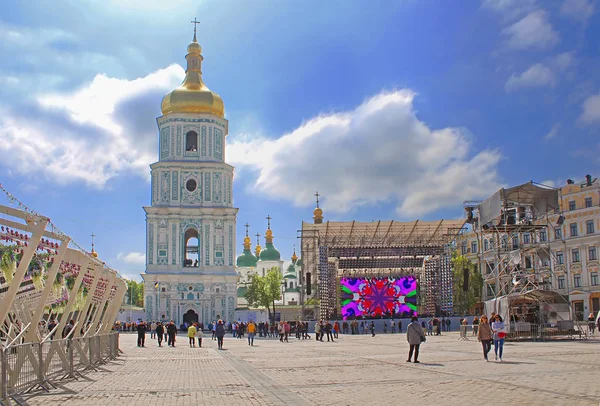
43, 279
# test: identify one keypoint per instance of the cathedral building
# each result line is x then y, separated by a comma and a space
190, 225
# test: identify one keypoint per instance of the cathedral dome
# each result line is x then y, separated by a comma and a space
247, 259
270, 253
193, 96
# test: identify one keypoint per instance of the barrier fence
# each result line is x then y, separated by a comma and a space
37, 366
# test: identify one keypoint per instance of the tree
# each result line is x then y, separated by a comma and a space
265, 290
135, 290
465, 301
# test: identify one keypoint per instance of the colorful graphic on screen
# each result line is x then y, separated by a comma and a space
378, 296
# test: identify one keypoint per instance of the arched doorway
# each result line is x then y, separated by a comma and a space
192, 252
190, 317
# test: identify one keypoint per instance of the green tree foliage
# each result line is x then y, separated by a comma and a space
464, 302
135, 290
265, 290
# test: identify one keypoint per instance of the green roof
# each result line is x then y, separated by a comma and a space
241, 292
299, 262
293, 290
247, 259
270, 253
291, 269
289, 276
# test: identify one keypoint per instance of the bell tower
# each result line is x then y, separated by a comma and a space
191, 222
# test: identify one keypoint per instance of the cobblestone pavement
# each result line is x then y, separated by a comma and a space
355, 370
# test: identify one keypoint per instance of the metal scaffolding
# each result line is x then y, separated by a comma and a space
381, 248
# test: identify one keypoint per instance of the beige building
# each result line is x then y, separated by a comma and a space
558, 252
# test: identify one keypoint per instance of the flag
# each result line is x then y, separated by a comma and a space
156, 285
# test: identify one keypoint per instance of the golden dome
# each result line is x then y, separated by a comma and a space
193, 96
94, 253
294, 257
247, 243
318, 215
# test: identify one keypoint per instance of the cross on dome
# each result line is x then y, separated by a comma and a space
195, 24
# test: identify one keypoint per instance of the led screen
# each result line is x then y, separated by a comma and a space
378, 296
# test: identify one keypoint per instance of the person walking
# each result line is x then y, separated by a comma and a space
499, 334
141, 330
399, 326
591, 323
219, 333
415, 336
160, 331
214, 330
328, 328
171, 332
199, 334
476, 325
152, 330
484, 335
372, 328
336, 329
192, 335
393, 327
317, 330
251, 332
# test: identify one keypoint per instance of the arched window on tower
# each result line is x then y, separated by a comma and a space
191, 141
192, 248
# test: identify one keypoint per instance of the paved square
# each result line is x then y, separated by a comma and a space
355, 370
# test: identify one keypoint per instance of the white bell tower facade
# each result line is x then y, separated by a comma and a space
190, 226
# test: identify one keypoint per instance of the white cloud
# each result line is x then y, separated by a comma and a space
537, 75
577, 9
510, 9
532, 31
553, 132
378, 152
91, 135
591, 109
133, 258
564, 61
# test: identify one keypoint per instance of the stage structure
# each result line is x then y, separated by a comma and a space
514, 228
384, 253
47, 276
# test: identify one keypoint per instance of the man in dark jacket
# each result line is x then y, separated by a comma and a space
141, 330
220, 333
328, 328
160, 331
171, 332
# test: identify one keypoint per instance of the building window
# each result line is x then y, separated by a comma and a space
526, 238
575, 255
515, 241
589, 226
558, 233
486, 245
561, 282
191, 141
559, 258
547, 283
474, 247
490, 290
163, 290
543, 236
592, 256
573, 229
572, 205
588, 202
577, 281
528, 263
463, 248
594, 278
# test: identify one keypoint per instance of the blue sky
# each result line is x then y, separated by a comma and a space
390, 109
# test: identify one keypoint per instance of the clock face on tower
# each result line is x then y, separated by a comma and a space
190, 185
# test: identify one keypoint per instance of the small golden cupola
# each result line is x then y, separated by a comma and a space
294, 256
317, 213
93, 253
258, 248
193, 96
